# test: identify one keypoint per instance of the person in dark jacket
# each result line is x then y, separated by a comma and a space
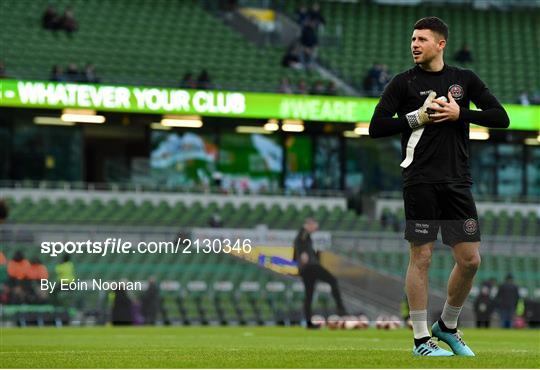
310, 269
122, 311
507, 300
483, 308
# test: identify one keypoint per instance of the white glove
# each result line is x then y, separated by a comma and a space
420, 116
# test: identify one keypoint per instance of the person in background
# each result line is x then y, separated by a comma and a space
316, 16
311, 270
57, 74
285, 86
302, 87
507, 300
188, 82
37, 270
65, 270
50, 19
331, 88
302, 15
523, 98
90, 75
483, 308
67, 22
317, 88
203, 81
309, 41
464, 55
122, 311
17, 268
72, 74
292, 57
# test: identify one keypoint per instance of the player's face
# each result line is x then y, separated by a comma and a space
312, 226
425, 46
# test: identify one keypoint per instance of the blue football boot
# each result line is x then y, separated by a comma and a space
430, 348
452, 339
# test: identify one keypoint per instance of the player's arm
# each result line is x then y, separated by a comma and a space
300, 254
382, 122
492, 113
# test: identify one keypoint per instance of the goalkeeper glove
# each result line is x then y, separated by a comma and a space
420, 116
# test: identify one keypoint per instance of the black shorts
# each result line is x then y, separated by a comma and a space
449, 207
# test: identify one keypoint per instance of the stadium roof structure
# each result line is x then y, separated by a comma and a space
159, 100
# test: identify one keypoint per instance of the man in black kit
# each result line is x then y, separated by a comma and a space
437, 179
311, 270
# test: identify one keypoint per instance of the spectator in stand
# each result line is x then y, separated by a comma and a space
372, 81
523, 98
507, 300
68, 22
57, 74
90, 75
203, 81
65, 270
17, 268
464, 55
302, 87
285, 86
4, 211
2, 70
72, 73
315, 16
317, 88
50, 19
292, 57
302, 15
331, 88
188, 82
37, 270
384, 78
309, 42
483, 308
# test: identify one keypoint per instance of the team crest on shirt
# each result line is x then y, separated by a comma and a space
456, 91
470, 226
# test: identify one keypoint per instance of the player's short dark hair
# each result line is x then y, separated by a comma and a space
433, 24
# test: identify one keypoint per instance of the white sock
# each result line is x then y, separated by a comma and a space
450, 315
419, 324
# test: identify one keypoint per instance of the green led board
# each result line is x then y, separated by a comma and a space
158, 100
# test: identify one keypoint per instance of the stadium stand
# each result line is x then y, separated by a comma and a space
499, 40
245, 215
139, 42
197, 288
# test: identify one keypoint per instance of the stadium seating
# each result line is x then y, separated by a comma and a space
246, 215
524, 268
499, 41
199, 288
138, 42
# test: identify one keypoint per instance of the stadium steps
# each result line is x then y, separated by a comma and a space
379, 33
138, 42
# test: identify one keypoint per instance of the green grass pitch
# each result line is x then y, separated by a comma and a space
252, 347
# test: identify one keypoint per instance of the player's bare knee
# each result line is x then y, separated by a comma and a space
470, 263
421, 258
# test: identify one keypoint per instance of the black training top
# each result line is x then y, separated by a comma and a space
439, 151
303, 243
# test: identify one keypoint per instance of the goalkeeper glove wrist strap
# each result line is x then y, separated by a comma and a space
413, 119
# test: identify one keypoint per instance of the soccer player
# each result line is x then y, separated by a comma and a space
311, 270
437, 179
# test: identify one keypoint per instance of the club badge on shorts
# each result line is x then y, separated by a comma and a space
470, 226
456, 91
